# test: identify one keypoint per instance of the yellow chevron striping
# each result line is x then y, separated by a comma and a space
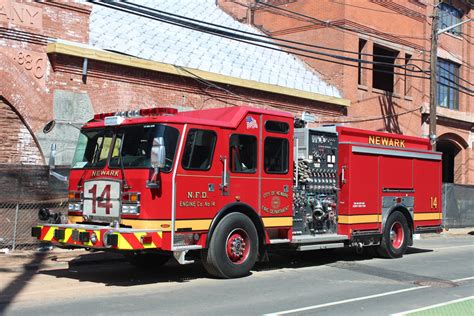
146, 246
428, 216
359, 219
123, 243
50, 234
277, 221
67, 234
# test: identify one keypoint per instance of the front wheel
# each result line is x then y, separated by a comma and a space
395, 237
233, 248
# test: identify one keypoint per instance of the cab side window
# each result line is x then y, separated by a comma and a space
198, 149
243, 153
276, 155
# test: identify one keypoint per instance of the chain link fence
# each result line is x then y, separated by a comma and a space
16, 220
25, 189
458, 205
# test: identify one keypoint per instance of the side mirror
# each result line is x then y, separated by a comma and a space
157, 160
158, 153
52, 157
49, 126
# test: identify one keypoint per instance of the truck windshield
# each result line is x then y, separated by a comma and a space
129, 146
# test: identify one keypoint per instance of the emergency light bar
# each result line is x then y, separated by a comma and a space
137, 113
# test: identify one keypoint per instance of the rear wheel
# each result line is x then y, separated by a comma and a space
395, 236
233, 248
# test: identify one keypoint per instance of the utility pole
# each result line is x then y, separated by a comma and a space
433, 80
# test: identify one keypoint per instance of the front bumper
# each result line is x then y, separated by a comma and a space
99, 237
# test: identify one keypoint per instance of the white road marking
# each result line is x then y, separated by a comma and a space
433, 306
455, 247
302, 309
463, 279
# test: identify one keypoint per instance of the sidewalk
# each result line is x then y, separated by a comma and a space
19, 261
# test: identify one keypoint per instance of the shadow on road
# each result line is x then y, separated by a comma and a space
116, 272
8, 294
113, 270
295, 260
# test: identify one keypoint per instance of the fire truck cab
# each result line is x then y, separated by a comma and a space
229, 182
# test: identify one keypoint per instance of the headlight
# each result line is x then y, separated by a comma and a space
75, 207
130, 209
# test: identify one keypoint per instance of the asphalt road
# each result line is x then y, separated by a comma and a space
339, 282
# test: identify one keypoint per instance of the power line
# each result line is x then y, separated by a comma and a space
231, 35
327, 23
250, 41
247, 40
356, 120
456, 76
264, 36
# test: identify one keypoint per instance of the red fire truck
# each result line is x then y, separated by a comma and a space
228, 183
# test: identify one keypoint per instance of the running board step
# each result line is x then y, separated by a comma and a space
320, 246
279, 241
311, 239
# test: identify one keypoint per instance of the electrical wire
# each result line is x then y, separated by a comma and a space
352, 120
329, 24
456, 76
247, 40
233, 36
122, 8
287, 41
264, 36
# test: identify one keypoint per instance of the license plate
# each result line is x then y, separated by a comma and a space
102, 199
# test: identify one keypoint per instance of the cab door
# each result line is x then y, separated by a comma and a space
277, 172
197, 179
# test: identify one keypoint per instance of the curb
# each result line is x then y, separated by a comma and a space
53, 261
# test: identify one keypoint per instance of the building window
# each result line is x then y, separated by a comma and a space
448, 16
198, 150
408, 67
243, 153
382, 74
361, 72
276, 155
448, 93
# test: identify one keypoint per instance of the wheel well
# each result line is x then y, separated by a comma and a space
407, 215
239, 208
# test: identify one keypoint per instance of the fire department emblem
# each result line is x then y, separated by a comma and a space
276, 202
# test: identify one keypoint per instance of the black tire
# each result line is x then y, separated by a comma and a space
147, 260
395, 236
233, 247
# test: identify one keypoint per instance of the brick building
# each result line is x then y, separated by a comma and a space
67, 60
395, 32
